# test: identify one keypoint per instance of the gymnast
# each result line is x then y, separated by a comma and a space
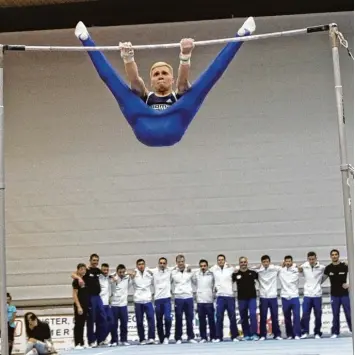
160, 117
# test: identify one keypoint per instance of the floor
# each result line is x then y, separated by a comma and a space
323, 346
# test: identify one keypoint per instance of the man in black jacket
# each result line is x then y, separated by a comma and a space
245, 279
337, 272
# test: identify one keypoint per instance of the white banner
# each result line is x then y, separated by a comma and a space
62, 328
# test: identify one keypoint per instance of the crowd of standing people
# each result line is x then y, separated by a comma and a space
101, 299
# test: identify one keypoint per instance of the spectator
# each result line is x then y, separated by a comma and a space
11, 316
39, 340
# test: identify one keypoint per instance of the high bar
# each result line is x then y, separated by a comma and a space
312, 29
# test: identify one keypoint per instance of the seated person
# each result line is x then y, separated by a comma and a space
39, 339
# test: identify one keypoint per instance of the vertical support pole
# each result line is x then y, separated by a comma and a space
3, 298
344, 167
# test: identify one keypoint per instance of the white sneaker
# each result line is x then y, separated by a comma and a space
32, 352
79, 347
289, 338
49, 346
235, 340
143, 342
166, 341
81, 31
151, 341
334, 336
297, 337
193, 341
304, 336
262, 338
278, 338
203, 341
113, 344
178, 342
317, 336
216, 340
248, 26
125, 343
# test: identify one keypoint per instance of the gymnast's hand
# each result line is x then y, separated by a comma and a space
186, 46
127, 52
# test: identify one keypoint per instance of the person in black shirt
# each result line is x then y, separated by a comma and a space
39, 336
337, 272
96, 311
245, 279
81, 305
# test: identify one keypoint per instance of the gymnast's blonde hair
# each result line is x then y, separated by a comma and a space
161, 64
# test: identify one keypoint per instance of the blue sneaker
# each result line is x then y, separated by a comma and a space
255, 338
247, 338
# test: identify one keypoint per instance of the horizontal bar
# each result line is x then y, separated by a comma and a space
11, 47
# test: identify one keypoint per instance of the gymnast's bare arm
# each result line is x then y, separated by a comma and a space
136, 82
182, 82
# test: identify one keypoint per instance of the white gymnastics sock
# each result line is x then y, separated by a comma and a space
248, 27
81, 31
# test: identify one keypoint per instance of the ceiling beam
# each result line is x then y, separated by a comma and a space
25, 3
135, 12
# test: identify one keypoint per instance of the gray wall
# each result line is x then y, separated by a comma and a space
257, 172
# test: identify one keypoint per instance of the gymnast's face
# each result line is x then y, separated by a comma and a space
162, 80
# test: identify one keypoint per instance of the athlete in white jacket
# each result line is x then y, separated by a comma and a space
225, 297
184, 302
105, 283
142, 281
289, 280
313, 273
119, 301
162, 299
267, 277
204, 282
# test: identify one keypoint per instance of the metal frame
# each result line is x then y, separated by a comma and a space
346, 169
3, 298
301, 31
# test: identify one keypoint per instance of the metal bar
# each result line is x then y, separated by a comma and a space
345, 173
313, 29
3, 298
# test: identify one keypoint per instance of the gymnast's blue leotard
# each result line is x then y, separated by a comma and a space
156, 127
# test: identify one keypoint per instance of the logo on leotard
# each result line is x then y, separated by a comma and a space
160, 106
